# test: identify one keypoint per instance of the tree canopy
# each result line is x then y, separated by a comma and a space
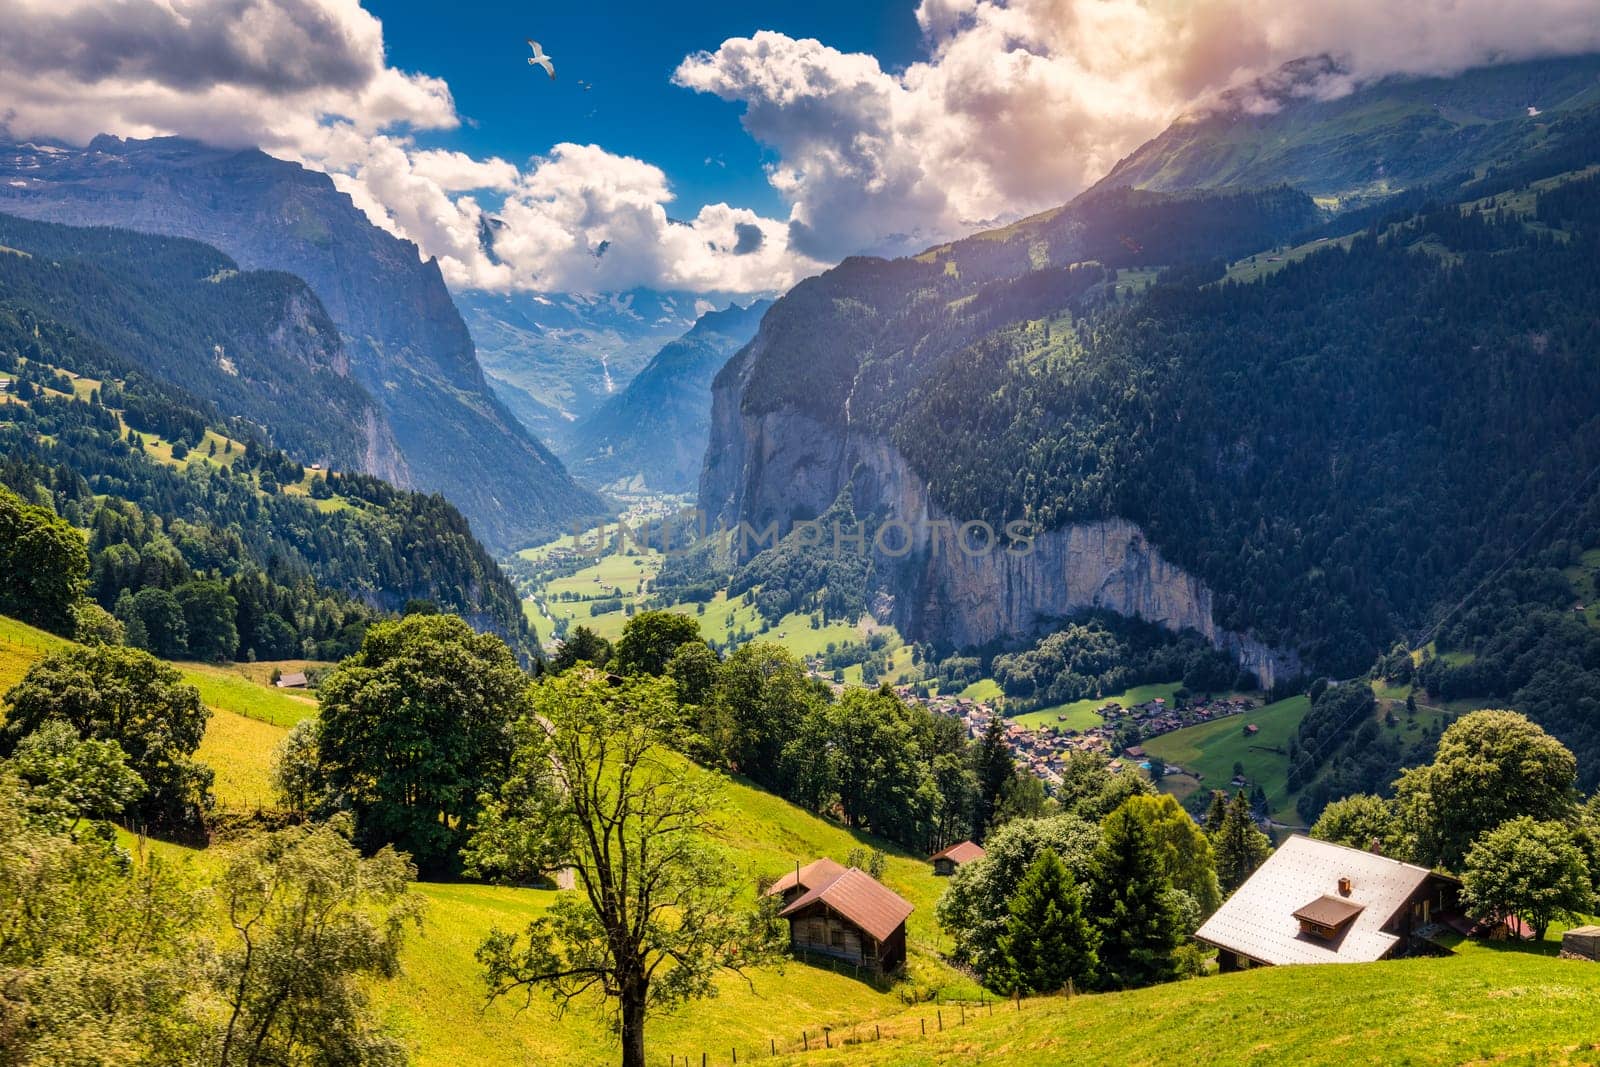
415, 728
108, 693
1491, 767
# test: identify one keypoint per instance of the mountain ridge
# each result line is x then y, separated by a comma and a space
408, 345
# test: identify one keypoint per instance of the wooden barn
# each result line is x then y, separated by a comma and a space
946, 862
851, 917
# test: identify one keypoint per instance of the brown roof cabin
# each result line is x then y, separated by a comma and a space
297, 680
851, 917
964, 852
1317, 902
803, 879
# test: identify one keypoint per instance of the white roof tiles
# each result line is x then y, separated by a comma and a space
1258, 921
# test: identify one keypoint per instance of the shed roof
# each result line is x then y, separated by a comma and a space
860, 898
1259, 921
813, 874
1330, 911
959, 853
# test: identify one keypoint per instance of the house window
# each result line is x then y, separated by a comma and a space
836, 937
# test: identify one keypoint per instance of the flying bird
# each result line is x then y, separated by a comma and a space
539, 59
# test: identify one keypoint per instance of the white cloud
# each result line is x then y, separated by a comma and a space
307, 80
1022, 104
1018, 105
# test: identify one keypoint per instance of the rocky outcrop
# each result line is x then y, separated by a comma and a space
931, 582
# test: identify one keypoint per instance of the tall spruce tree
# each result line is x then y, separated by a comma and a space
992, 762
1048, 941
1240, 847
1133, 905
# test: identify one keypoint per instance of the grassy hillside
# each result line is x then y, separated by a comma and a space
1484, 1005
437, 1003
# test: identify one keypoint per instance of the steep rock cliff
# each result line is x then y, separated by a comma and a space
784, 466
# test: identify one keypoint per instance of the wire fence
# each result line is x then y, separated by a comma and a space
940, 1015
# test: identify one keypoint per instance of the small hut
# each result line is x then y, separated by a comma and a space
853, 918
946, 862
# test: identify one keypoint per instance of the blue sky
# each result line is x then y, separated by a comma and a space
627, 51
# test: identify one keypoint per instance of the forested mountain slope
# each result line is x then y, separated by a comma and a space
188, 510
656, 428
407, 344
1303, 468
255, 344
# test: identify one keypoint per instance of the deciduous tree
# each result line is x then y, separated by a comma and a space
107, 693
598, 791
1529, 869
1491, 767
415, 728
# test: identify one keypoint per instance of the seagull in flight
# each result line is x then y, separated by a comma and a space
539, 59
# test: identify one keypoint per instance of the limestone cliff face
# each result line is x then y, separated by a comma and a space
782, 466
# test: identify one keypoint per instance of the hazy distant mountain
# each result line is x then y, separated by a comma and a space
556, 357
407, 344
656, 429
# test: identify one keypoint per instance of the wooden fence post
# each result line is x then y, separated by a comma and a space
939, 1012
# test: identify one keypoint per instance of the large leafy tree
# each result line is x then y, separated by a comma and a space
71, 780
762, 692
1533, 870
598, 791
1186, 856
208, 617
878, 769
44, 564
107, 693
1140, 923
1048, 941
1491, 767
1239, 845
975, 909
415, 728
651, 637
309, 920
1362, 821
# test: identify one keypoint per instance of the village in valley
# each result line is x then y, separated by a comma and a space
1044, 751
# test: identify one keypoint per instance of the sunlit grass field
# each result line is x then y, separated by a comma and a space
1488, 1004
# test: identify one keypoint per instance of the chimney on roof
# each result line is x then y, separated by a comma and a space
1375, 846
1344, 887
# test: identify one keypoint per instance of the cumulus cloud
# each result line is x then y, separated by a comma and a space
1017, 106
1022, 103
307, 80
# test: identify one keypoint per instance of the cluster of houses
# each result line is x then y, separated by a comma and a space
1044, 751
